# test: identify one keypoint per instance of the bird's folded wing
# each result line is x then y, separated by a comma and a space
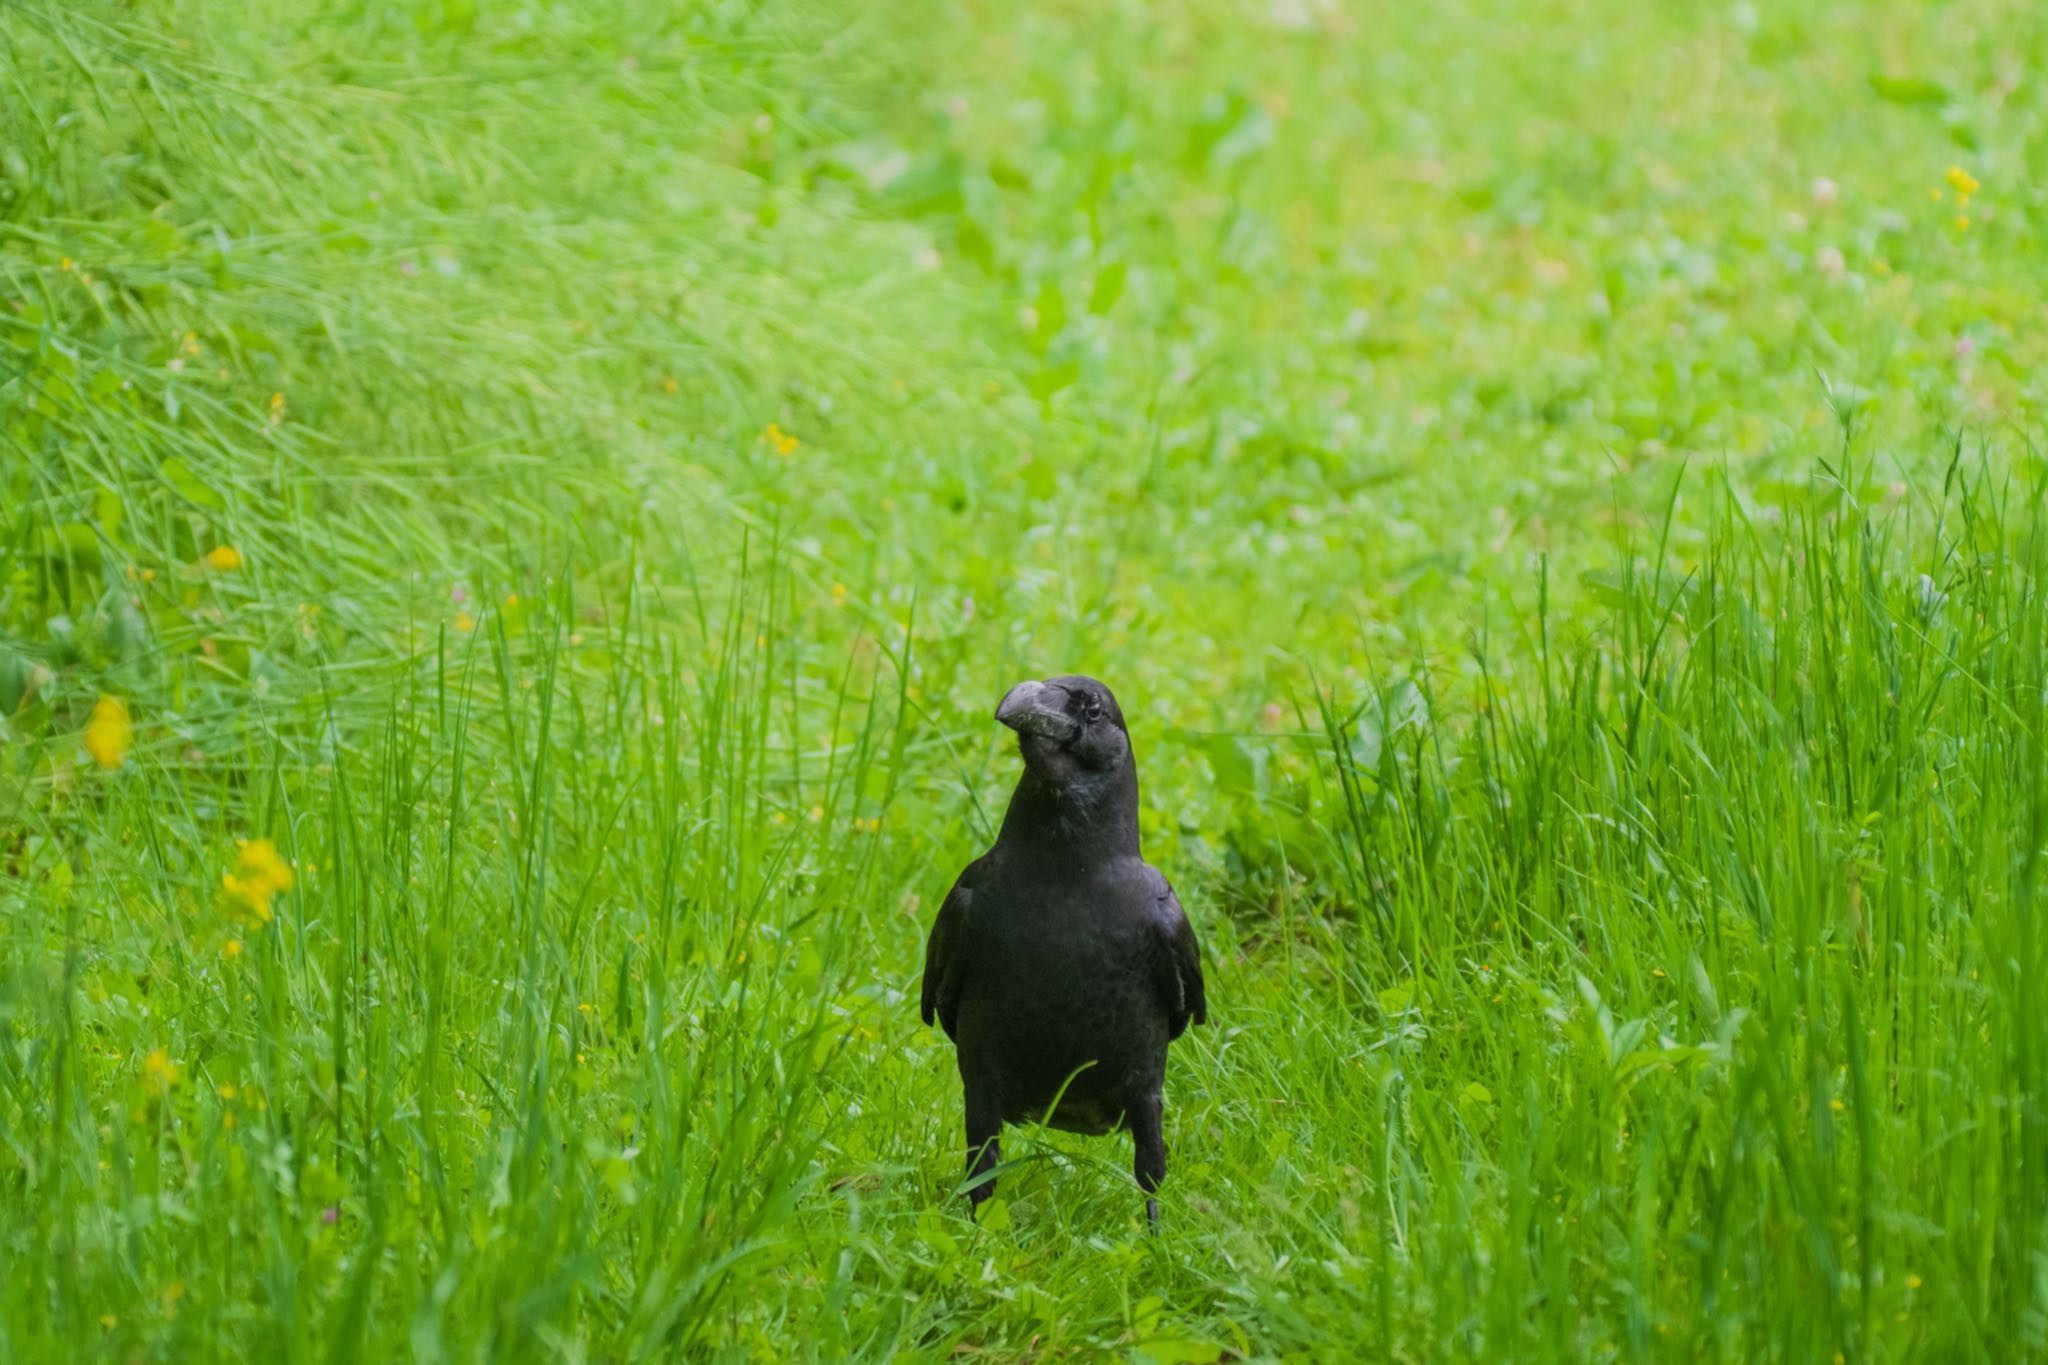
945, 953
1179, 962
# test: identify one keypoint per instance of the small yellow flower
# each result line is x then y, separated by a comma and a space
1914, 1282
276, 404
780, 441
817, 812
669, 386
1934, 195
259, 875
224, 558
464, 621
149, 575
109, 733
1962, 222
108, 1320
159, 1073
1836, 1104
226, 1092
583, 1007
66, 263
232, 948
1962, 181
511, 599
838, 592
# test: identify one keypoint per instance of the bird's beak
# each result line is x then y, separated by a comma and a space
1036, 708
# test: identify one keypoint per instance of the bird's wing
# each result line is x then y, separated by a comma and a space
1178, 961
945, 953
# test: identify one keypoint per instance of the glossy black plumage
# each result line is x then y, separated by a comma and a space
1061, 964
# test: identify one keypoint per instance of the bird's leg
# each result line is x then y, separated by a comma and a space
984, 1149
1148, 1137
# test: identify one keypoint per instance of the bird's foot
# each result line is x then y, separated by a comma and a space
1152, 1214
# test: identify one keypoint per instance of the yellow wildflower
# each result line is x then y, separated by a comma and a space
232, 948
1962, 181
780, 441
224, 558
109, 733
276, 405
1914, 1282
159, 1073
259, 875
464, 621
1962, 222
669, 386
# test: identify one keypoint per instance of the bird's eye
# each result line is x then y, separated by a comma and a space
1094, 711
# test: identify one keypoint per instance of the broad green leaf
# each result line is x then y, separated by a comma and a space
1109, 287
189, 485
1909, 90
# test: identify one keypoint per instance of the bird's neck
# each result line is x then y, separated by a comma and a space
1078, 825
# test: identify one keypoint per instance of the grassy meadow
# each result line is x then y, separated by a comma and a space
514, 519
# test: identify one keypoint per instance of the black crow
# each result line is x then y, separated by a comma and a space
1060, 964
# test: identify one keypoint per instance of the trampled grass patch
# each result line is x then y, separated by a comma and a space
514, 520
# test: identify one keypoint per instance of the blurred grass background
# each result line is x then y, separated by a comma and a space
1553, 485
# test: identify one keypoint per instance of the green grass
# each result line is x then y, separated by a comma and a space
1557, 494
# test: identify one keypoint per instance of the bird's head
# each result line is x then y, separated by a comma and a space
1069, 730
